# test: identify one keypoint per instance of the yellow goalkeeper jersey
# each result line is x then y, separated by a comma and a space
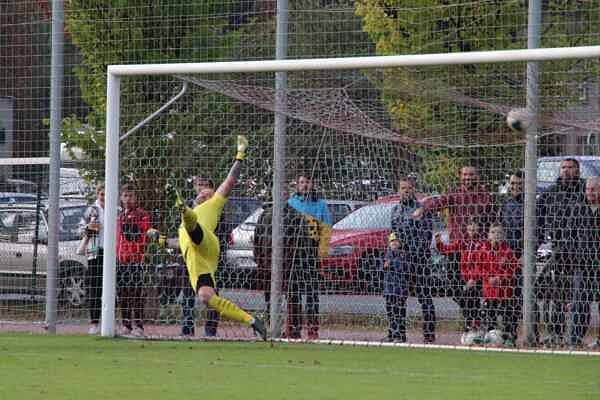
203, 258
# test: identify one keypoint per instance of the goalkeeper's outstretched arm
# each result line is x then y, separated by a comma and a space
234, 173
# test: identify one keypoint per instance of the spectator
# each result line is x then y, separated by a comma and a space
555, 221
586, 278
470, 199
133, 223
395, 289
92, 227
470, 299
495, 266
511, 216
307, 239
415, 235
262, 248
511, 213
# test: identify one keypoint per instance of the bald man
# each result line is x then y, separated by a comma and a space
586, 276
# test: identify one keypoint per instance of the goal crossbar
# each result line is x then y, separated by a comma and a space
475, 57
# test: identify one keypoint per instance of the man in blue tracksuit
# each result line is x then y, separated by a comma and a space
304, 262
415, 236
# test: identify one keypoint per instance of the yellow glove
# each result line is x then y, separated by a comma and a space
242, 145
162, 241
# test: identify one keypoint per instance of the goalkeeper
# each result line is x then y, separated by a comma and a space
200, 246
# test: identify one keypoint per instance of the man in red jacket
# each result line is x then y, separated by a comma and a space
495, 266
133, 223
469, 200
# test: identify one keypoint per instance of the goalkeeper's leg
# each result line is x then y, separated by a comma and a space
226, 308
188, 217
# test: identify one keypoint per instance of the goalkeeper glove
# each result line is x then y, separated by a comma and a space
242, 145
152, 234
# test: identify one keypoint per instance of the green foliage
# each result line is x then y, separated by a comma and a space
434, 26
120, 32
420, 100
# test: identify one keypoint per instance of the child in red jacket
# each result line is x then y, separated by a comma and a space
469, 299
495, 266
132, 227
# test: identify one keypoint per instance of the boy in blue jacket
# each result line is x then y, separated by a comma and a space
395, 290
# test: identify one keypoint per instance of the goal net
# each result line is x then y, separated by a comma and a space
404, 218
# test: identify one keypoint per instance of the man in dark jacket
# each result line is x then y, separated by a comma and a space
310, 224
586, 277
415, 236
555, 208
510, 214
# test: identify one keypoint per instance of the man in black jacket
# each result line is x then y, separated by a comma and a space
415, 236
586, 277
555, 221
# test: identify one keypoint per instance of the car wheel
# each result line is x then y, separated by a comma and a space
71, 285
370, 273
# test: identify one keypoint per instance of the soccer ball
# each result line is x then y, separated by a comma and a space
494, 337
518, 120
471, 337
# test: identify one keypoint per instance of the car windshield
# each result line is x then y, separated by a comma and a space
338, 211
251, 221
238, 209
375, 216
16, 198
70, 218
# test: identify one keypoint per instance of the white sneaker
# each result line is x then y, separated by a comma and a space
94, 330
123, 330
137, 331
595, 345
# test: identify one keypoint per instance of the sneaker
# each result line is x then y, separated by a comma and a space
549, 341
138, 331
595, 345
259, 328
94, 330
312, 335
429, 339
510, 343
394, 339
124, 330
291, 334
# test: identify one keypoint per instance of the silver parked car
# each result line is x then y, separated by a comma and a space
240, 255
23, 259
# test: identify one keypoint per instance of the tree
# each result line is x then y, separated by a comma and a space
135, 31
424, 101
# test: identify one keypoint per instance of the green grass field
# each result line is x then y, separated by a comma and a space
89, 368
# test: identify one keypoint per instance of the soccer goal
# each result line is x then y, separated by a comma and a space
412, 202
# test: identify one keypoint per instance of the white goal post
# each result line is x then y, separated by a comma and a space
113, 129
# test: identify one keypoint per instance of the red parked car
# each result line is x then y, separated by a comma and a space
357, 248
